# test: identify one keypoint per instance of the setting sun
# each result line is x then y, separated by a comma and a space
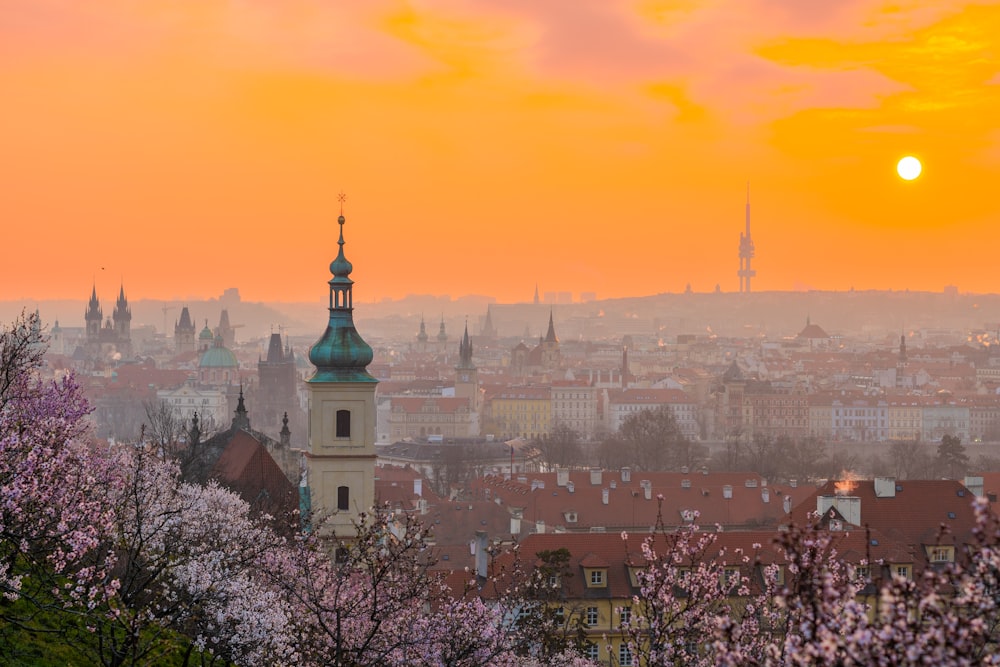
908, 168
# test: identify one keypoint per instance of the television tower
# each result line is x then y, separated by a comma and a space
746, 252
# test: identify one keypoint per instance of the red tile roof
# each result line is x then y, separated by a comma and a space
920, 513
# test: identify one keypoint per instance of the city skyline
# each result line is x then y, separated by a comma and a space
582, 147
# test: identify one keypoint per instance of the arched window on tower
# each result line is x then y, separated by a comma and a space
343, 498
343, 423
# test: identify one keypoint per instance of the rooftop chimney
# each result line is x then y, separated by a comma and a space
647, 488
765, 495
626, 474
848, 506
595, 476
975, 485
727, 491
885, 487
418, 487
787, 504
604, 496
481, 554
562, 476
540, 527
571, 487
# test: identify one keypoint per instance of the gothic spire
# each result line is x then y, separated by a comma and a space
465, 350
442, 336
94, 307
422, 336
241, 420
550, 336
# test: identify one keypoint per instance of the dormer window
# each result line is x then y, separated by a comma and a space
941, 554
597, 578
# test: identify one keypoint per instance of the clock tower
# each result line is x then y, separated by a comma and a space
340, 461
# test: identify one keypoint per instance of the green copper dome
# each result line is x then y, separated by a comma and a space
206, 333
341, 354
218, 356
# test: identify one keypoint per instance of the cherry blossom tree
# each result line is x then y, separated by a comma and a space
183, 565
51, 514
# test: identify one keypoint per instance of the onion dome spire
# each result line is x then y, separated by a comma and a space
341, 355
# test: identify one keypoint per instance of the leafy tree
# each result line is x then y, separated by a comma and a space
655, 442
561, 447
548, 625
952, 459
612, 453
802, 458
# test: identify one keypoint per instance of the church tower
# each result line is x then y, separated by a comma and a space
422, 336
123, 323
184, 330
341, 456
466, 373
489, 331
442, 337
551, 356
94, 317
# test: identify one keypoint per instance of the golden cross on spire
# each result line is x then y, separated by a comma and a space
342, 197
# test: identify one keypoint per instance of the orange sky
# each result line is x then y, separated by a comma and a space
489, 145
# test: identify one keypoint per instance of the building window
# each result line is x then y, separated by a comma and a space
343, 498
592, 652
597, 577
343, 423
625, 615
625, 656
592, 616
941, 554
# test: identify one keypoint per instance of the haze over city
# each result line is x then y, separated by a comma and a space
455, 333
586, 146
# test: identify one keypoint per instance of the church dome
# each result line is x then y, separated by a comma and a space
341, 352
206, 334
218, 356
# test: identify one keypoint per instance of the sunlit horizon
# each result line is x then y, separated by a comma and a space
593, 146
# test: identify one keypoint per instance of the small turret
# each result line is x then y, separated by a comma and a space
241, 420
